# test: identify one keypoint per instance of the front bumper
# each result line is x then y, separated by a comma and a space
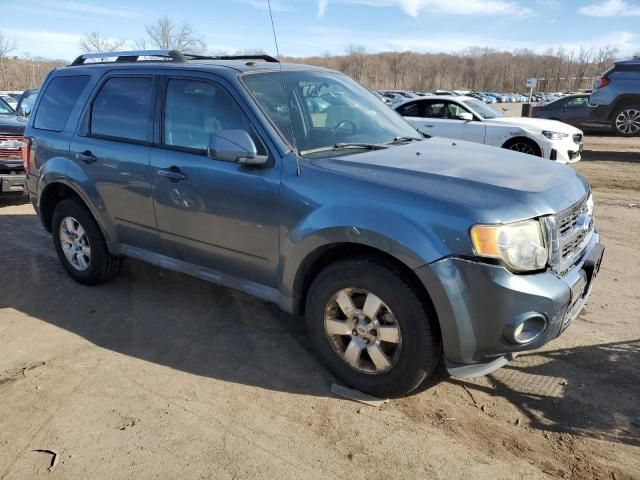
566, 150
477, 303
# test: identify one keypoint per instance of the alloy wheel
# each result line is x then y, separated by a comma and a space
362, 330
523, 148
628, 121
75, 243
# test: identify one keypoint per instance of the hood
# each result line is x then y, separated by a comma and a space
494, 185
538, 124
12, 124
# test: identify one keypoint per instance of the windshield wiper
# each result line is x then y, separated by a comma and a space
403, 140
342, 146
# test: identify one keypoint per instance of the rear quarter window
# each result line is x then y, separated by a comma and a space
57, 102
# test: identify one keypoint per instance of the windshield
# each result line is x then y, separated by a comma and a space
482, 109
5, 109
326, 113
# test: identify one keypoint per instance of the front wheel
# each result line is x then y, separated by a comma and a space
371, 329
626, 121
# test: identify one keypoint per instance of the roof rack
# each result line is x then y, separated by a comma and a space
131, 56
165, 55
266, 58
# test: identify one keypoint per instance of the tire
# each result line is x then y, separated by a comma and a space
412, 356
524, 145
99, 265
626, 121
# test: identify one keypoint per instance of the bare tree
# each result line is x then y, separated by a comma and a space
7, 46
165, 34
94, 43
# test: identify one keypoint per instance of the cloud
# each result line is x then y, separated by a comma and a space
611, 8
450, 7
45, 43
83, 7
322, 7
334, 40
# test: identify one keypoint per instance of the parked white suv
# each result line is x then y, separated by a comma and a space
467, 118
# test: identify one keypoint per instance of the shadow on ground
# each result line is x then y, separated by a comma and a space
591, 390
196, 327
611, 156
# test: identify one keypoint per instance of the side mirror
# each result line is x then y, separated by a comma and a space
234, 146
466, 116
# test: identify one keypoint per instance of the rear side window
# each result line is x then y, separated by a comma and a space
58, 101
122, 109
410, 110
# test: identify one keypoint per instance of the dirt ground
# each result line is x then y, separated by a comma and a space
159, 375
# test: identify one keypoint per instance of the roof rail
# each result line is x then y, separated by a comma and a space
172, 55
266, 58
131, 56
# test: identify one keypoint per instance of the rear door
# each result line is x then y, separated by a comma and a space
431, 117
576, 111
110, 155
211, 213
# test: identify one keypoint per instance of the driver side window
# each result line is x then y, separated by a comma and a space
195, 109
453, 110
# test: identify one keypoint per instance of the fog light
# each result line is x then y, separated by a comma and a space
525, 328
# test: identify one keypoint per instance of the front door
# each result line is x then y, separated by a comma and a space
211, 213
433, 119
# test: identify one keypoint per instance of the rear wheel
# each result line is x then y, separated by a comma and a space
626, 121
370, 328
80, 245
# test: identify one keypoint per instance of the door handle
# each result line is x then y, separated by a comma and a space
427, 126
86, 157
172, 173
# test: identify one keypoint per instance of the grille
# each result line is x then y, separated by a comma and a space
569, 233
13, 152
577, 138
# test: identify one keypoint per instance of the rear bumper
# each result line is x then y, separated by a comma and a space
12, 184
479, 304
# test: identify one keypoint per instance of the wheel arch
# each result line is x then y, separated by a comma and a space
326, 255
622, 101
524, 139
53, 193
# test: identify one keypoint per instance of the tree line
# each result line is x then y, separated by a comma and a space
477, 69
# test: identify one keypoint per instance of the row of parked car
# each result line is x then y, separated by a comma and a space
396, 96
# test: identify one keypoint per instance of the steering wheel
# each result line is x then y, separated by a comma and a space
342, 124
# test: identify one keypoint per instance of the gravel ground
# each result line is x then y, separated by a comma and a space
159, 375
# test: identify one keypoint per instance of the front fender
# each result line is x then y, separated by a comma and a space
378, 228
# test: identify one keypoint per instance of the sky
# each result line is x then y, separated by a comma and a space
53, 28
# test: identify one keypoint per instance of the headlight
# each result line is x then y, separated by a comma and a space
554, 135
519, 245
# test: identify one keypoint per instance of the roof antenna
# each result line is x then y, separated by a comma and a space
284, 89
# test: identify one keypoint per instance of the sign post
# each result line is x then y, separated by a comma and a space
531, 84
